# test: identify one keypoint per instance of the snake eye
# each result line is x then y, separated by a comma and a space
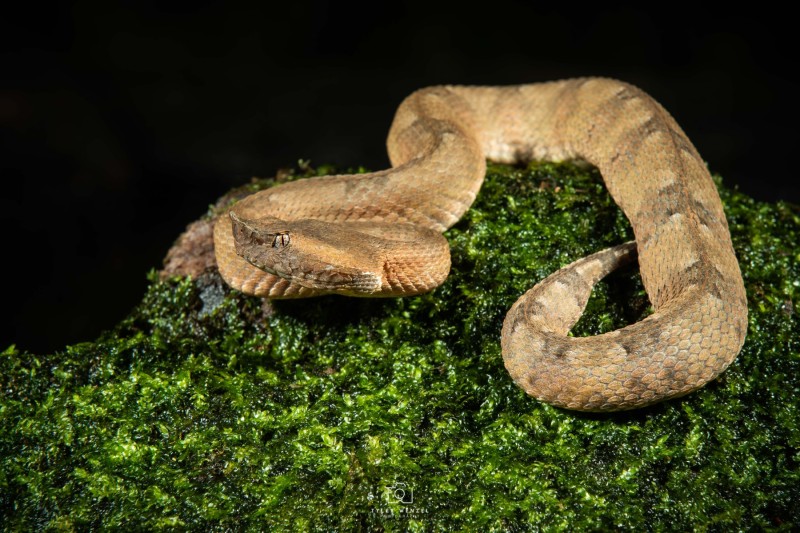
281, 240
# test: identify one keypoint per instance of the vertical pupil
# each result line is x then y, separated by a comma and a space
280, 240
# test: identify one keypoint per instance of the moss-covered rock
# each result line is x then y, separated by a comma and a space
208, 410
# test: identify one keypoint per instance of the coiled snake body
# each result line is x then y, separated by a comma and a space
379, 234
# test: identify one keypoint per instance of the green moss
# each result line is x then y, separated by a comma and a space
201, 411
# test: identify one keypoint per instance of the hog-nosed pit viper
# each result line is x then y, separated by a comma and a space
379, 234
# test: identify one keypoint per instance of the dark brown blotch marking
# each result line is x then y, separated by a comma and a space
652, 126
555, 347
669, 200
532, 308
695, 273
740, 329
704, 215
581, 288
630, 347
625, 93
683, 143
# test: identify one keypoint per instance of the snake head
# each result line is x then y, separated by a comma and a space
265, 242
306, 252
261, 232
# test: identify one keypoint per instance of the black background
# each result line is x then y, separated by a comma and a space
121, 122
